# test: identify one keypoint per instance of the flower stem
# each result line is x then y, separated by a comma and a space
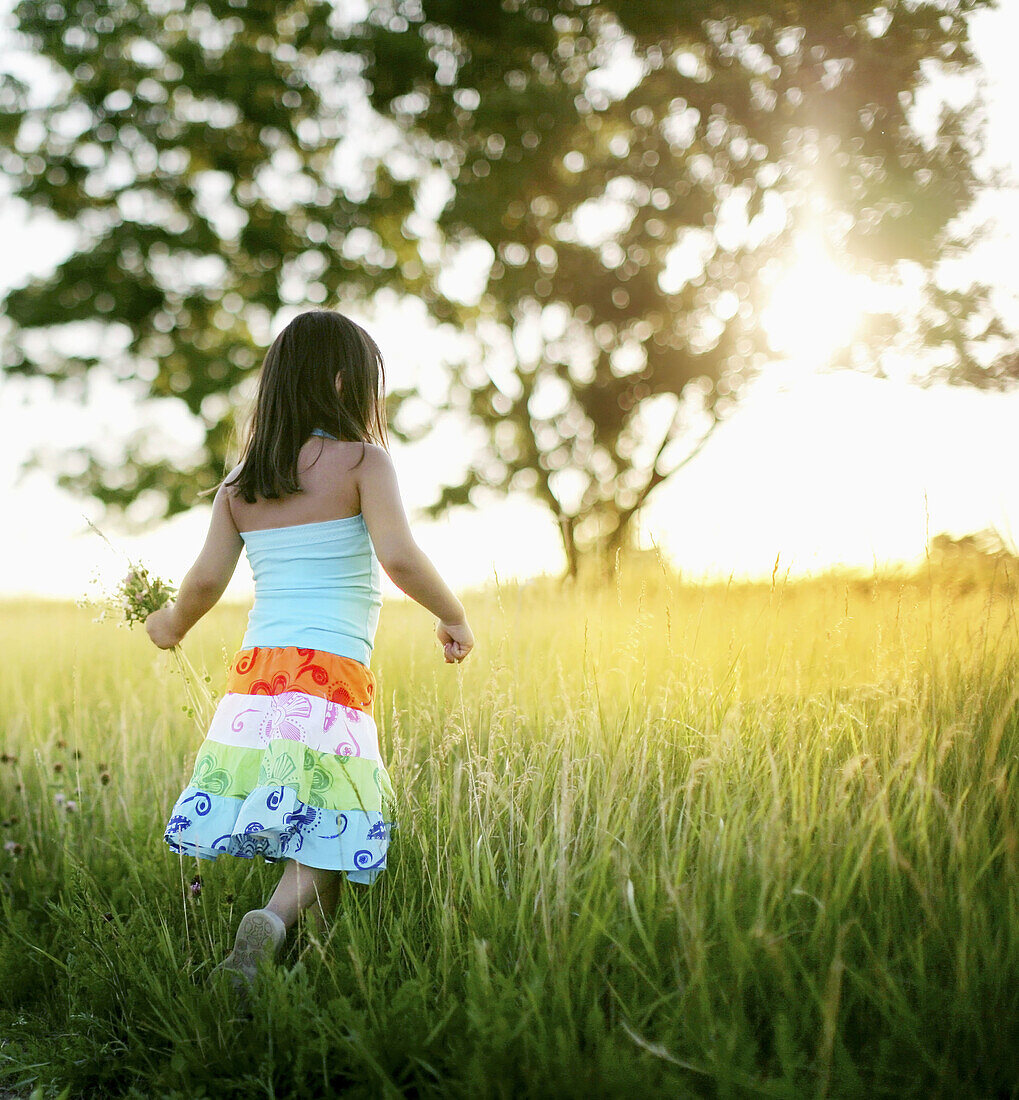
199, 697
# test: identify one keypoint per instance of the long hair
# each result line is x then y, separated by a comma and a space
297, 394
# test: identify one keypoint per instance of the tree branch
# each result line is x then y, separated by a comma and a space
657, 477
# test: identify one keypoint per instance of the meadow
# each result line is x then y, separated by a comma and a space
654, 838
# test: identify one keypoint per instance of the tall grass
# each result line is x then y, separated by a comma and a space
654, 839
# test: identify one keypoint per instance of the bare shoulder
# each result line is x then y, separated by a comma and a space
377, 461
341, 455
230, 492
373, 452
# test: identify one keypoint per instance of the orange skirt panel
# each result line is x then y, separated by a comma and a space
274, 670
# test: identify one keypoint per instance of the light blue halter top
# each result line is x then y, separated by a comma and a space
317, 586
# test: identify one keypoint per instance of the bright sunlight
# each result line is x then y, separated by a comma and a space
817, 307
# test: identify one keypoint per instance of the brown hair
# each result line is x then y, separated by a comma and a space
297, 394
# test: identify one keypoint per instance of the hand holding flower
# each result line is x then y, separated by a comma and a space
144, 598
163, 628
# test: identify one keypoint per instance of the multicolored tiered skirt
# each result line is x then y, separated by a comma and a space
290, 767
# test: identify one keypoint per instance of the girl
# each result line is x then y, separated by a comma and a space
290, 767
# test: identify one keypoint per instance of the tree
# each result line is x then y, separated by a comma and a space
639, 173
630, 175
194, 148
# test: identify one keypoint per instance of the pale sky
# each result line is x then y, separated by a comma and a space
816, 469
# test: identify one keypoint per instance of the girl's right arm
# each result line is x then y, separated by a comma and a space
403, 560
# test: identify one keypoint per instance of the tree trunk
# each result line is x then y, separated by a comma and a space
570, 546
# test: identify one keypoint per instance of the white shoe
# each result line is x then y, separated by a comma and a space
260, 934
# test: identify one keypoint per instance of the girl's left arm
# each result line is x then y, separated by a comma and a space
205, 581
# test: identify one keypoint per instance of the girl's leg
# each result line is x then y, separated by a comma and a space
260, 934
301, 886
322, 911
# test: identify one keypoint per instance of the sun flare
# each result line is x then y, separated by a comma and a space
816, 308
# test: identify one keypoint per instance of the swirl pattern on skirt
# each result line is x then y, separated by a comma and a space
274, 670
290, 767
252, 721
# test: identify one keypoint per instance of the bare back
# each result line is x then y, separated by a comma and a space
329, 482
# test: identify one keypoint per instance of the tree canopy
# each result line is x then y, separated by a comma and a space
195, 149
629, 179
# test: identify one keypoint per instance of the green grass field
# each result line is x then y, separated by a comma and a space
655, 839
